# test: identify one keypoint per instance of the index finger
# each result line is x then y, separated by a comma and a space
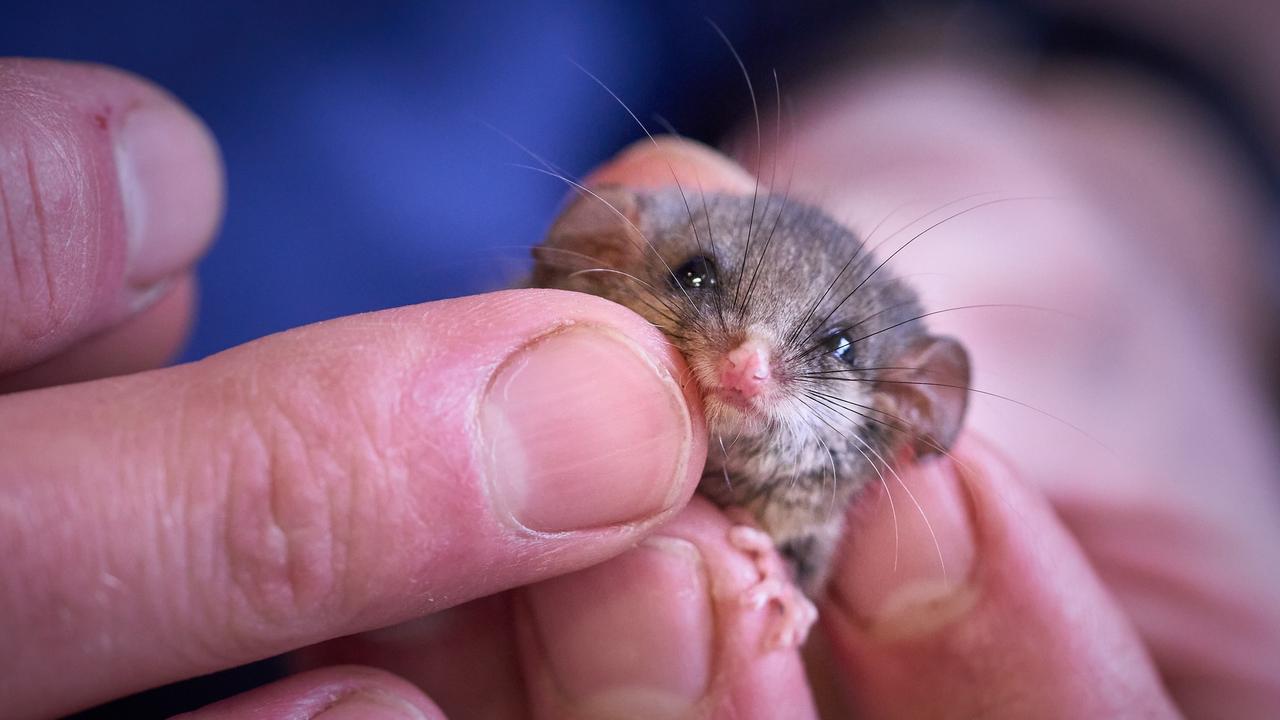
327, 480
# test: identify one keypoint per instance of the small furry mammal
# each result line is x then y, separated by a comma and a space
817, 372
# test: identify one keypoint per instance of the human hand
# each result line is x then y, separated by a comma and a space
1123, 211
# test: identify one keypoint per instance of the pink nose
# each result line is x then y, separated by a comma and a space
746, 368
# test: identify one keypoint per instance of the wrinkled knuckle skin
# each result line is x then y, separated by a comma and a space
297, 458
58, 201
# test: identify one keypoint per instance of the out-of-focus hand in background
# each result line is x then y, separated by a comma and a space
1127, 375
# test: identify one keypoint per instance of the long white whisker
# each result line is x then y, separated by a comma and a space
724, 465
537, 158
831, 508
923, 515
893, 511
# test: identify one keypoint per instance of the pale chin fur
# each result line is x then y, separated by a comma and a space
730, 421
784, 418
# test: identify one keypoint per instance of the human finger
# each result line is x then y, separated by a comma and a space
327, 480
145, 341
659, 631
973, 589
109, 190
335, 693
667, 160
662, 631
464, 658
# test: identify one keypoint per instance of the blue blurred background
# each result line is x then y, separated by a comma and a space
362, 169
361, 166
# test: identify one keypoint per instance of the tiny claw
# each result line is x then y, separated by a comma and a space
750, 539
757, 597
774, 587
783, 639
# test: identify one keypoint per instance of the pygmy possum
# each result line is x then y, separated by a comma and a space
817, 371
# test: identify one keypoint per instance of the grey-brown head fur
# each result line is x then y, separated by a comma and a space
785, 273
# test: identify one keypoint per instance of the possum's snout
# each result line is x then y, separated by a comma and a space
740, 381
747, 369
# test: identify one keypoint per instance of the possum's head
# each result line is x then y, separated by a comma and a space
788, 325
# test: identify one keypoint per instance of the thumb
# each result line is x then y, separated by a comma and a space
964, 582
109, 192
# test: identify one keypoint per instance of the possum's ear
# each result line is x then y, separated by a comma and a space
599, 228
929, 391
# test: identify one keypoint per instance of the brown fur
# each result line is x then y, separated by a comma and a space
797, 466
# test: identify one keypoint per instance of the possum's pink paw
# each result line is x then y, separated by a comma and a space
774, 588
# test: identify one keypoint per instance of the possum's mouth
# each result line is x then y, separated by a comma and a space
730, 414
745, 406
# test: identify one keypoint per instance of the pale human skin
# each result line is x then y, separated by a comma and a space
360, 473
1142, 239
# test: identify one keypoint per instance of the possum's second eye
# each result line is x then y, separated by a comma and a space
840, 345
697, 273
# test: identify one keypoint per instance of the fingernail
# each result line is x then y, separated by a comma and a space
371, 705
630, 638
910, 552
168, 168
581, 430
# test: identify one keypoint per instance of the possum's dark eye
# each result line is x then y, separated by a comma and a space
840, 345
697, 273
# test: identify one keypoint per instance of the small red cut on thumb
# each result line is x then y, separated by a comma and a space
960, 594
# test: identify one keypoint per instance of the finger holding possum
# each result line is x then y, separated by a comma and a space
659, 632
979, 594
667, 160
323, 481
